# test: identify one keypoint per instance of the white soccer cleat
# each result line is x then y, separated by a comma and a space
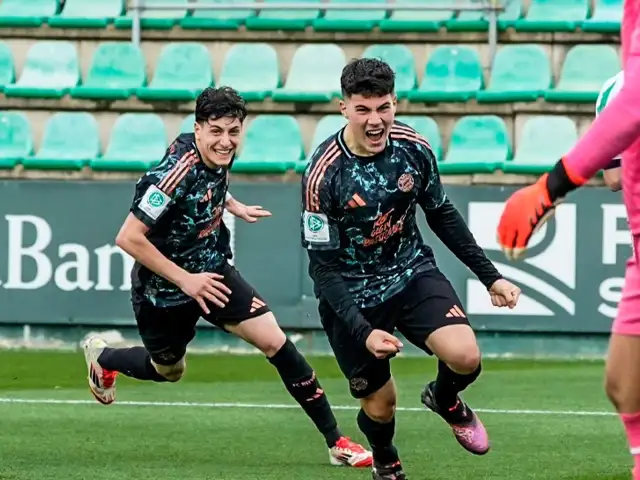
349, 453
102, 383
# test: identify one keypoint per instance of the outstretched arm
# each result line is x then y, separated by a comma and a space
449, 226
618, 125
248, 213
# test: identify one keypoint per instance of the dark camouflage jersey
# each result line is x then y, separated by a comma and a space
366, 208
181, 200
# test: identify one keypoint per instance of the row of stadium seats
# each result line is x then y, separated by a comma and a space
541, 15
451, 74
274, 143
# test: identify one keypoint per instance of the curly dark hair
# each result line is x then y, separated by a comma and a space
369, 77
214, 103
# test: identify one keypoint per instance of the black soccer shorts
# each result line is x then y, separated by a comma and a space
428, 303
167, 331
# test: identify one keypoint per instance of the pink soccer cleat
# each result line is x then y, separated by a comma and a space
465, 424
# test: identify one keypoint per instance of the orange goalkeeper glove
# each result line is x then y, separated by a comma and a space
530, 207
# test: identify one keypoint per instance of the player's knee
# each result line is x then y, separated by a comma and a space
273, 345
172, 373
381, 405
465, 360
263, 332
381, 410
613, 389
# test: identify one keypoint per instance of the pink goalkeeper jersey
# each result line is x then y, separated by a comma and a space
617, 128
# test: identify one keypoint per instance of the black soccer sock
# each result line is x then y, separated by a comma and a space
133, 362
301, 382
449, 384
380, 437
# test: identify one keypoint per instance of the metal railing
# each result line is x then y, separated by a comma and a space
492, 8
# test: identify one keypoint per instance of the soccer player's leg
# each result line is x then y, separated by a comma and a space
248, 317
622, 382
165, 333
436, 322
370, 382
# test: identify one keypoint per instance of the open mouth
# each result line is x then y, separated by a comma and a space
375, 135
223, 152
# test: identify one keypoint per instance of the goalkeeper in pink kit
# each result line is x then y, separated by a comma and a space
615, 131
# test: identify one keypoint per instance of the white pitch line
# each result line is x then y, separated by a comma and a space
282, 406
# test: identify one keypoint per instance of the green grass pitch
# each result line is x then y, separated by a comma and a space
230, 418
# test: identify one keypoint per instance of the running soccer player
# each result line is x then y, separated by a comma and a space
615, 132
373, 273
176, 234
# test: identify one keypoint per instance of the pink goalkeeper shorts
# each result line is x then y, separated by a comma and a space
627, 321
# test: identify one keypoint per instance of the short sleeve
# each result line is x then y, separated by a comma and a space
319, 226
161, 187
432, 195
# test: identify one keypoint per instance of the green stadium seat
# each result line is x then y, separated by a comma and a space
428, 128
401, 60
138, 142
7, 66
554, 16
26, 13
544, 139
51, 68
272, 144
187, 123
71, 140
182, 71
314, 75
156, 19
218, 19
362, 20
520, 73
417, 20
87, 14
16, 138
584, 71
252, 69
478, 144
284, 19
468, 21
452, 74
513, 13
326, 126
117, 69
606, 18
478, 21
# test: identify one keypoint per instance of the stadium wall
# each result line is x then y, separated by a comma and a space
61, 274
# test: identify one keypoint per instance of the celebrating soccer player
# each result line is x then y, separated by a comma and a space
373, 273
615, 132
176, 234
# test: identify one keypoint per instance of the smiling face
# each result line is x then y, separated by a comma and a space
370, 120
218, 139
220, 114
